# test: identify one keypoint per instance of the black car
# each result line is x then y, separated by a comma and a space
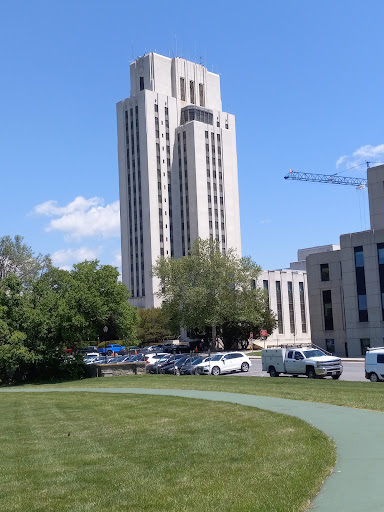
157, 366
173, 367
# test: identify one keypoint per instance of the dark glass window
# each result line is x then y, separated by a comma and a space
324, 270
328, 314
380, 256
279, 308
302, 308
365, 344
330, 345
360, 284
290, 305
380, 358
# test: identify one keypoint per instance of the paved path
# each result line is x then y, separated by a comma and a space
355, 484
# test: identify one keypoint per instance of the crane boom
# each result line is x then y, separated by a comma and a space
326, 178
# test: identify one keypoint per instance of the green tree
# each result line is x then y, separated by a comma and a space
209, 288
155, 326
17, 258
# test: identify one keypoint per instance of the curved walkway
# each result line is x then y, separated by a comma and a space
354, 485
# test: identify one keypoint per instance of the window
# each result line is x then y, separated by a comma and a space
365, 344
324, 271
156, 110
290, 305
380, 256
302, 308
279, 308
201, 95
182, 88
380, 358
141, 83
192, 91
328, 314
360, 284
330, 345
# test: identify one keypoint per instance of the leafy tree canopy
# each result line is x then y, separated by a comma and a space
17, 258
155, 326
209, 288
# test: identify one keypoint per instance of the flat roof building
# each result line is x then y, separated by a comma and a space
177, 168
346, 285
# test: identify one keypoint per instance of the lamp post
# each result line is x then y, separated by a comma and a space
105, 329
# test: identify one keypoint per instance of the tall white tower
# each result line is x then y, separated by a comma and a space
177, 168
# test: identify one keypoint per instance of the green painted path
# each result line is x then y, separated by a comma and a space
355, 484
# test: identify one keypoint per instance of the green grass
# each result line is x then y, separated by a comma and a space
154, 454
257, 353
362, 395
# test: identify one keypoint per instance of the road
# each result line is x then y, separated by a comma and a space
353, 371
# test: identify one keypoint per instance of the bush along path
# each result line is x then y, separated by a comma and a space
356, 481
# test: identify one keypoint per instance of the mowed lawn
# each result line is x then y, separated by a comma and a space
361, 395
95, 452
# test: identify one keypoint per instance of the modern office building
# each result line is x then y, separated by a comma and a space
346, 285
177, 168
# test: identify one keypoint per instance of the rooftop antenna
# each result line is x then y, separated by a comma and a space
368, 166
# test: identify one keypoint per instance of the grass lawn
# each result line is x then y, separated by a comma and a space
257, 353
112, 453
362, 395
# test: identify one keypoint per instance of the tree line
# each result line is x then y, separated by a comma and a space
44, 309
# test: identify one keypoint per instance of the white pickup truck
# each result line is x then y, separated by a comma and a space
300, 361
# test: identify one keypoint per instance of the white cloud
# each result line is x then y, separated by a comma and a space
82, 218
265, 221
64, 258
116, 262
373, 154
80, 204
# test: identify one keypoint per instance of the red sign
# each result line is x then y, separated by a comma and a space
263, 333
251, 335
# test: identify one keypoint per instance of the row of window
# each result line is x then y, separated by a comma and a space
291, 311
135, 218
191, 91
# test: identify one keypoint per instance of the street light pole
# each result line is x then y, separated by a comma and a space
105, 329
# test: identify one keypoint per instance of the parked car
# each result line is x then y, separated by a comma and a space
152, 358
190, 367
156, 366
300, 361
173, 366
225, 363
374, 364
112, 348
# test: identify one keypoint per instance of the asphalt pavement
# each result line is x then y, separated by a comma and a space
352, 370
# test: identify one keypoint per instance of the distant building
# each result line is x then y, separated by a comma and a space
346, 285
177, 168
288, 299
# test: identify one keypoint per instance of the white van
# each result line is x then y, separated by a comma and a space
374, 364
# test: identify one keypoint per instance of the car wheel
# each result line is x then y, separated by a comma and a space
311, 374
244, 367
215, 370
109, 353
273, 372
335, 377
373, 377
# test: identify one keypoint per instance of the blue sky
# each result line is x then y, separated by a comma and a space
303, 78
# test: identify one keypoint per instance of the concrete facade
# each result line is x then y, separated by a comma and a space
346, 286
177, 168
288, 299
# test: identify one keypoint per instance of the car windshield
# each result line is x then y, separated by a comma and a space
197, 360
217, 357
313, 353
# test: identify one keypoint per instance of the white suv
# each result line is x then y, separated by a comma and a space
225, 363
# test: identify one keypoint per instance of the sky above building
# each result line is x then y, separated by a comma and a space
304, 80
